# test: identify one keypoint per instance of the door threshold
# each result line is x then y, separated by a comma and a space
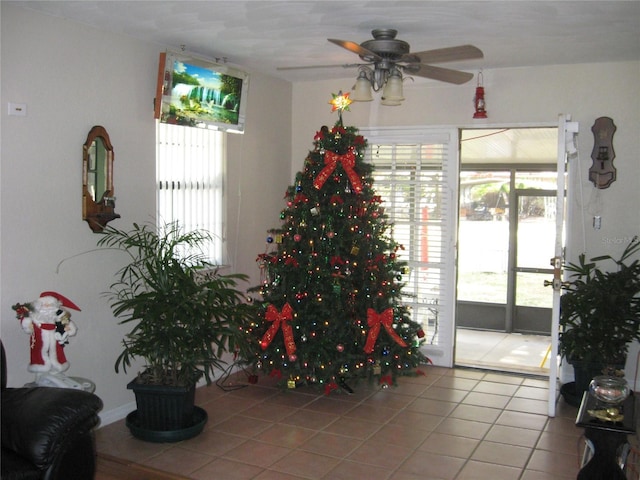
488, 366
516, 353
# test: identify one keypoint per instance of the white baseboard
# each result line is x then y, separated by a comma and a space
116, 414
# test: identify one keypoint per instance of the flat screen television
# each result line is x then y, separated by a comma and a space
200, 93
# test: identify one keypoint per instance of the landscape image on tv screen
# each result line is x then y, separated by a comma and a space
203, 96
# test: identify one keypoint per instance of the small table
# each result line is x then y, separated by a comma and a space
607, 437
78, 383
87, 385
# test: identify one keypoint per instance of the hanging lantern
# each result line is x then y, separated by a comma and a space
479, 100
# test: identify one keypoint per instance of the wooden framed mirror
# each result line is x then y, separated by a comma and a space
98, 200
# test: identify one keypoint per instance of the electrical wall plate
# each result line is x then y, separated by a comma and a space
17, 109
602, 172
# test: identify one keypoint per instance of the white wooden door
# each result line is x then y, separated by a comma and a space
567, 131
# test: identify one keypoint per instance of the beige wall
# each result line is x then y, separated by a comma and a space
73, 77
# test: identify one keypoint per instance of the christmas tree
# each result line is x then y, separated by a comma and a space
331, 283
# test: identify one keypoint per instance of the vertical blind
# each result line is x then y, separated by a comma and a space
414, 178
190, 181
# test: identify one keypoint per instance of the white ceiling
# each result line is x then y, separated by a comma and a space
262, 35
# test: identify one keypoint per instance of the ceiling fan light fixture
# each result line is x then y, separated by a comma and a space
392, 91
362, 88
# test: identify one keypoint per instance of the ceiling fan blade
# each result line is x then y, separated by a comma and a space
439, 73
355, 48
450, 54
306, 67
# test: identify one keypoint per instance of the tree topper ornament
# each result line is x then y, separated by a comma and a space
340, 102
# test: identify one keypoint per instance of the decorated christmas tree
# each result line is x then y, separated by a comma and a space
330, 311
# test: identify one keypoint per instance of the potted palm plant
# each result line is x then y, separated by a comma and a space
599, 316
184, 317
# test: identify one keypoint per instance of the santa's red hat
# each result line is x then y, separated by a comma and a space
62, 299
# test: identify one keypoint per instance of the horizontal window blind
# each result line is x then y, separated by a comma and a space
413, 178
190, 181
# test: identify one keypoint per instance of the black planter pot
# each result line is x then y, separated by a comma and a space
571, 397
195, 427
583, 374
165, 413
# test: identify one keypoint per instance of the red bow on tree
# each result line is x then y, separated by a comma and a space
375, 320
279, 319
348, 161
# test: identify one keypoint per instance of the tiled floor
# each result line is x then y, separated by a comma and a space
447, 424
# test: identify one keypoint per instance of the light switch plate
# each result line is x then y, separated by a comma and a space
18, 109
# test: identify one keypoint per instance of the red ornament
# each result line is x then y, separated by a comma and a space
335, 200
301, 198
291, 262
329, 387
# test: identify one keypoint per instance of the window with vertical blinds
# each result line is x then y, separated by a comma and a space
413, 176
190, 180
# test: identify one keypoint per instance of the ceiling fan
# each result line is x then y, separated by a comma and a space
386, 56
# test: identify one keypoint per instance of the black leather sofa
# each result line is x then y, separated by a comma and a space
47, 432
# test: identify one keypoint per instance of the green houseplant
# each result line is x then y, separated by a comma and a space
184, 317
599, 315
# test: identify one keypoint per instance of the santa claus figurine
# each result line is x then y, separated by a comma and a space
49, 324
